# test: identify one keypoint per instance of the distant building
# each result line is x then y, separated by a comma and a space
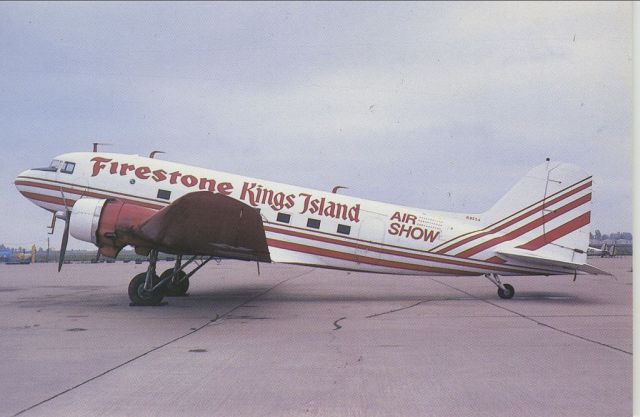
619, 241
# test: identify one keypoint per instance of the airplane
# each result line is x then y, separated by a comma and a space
540, 227
593, 251
605, 251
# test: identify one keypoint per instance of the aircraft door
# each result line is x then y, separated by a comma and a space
371, 234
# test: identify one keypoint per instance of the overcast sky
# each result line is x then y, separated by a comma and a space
434, 105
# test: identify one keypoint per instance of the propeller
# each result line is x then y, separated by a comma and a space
65, 238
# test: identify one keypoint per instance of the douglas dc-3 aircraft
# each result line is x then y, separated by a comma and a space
540, 227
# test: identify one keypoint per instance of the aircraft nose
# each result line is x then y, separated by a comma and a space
20, 180
24, 174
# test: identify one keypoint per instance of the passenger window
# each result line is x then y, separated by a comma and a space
313, 223
283, 218
68, 168
344, 229
164, 194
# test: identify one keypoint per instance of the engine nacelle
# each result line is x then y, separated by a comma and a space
109, 224
85, 219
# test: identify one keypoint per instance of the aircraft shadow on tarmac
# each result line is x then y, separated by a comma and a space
267, 295
276, 296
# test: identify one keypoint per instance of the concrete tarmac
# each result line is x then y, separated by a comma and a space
297, 341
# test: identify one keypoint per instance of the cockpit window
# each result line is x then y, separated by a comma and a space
68, 168
53, 166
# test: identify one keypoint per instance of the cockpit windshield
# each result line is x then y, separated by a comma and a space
53, 166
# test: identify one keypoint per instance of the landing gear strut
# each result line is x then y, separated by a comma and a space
145, 288
148, 289
178, 285
505, 291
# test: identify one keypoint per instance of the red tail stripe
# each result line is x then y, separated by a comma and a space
515, 219
558, 232
496, 260
527, 227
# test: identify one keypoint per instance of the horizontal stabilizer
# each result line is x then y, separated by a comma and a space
528, 256
592, 270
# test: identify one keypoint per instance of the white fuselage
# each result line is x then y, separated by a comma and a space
302, 226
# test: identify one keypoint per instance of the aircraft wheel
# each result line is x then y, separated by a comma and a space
509, 293
172, 289
139, 296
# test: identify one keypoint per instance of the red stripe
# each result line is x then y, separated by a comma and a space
304, 248
558, 232
362, 259
85, 193
516, 219
127, 200
48, 199
526, 228
392, 252
298, 247
123, 196
39, 185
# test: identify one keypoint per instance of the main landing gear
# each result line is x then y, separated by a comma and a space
148, 289
505, 291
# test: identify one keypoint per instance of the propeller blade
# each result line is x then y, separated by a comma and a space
65, 238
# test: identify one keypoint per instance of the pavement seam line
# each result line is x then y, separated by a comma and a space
217, 319
586, 339
398, 309
415, 305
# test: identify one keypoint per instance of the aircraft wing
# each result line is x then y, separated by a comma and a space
527, 256
201, 223
204, 223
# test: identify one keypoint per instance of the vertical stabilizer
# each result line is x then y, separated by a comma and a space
547, 213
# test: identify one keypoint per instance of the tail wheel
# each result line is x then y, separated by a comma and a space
141, 297
507, 293
173, 289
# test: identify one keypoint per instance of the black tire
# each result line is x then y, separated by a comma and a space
139, 296
508, 294
175, 290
